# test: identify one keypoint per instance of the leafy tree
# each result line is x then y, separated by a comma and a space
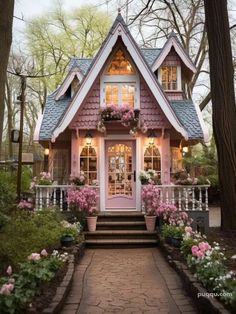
56, 37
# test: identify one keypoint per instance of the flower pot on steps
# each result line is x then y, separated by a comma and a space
150, 222
92, 223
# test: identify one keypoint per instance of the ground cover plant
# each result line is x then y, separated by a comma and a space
17, 289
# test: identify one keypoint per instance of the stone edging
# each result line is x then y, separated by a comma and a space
193, 287
65, 286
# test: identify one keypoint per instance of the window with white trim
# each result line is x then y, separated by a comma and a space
170, 77
152, 159
119, 84
88, 163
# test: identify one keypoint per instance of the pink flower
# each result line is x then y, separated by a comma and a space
9, 270
7, 288
194, 250
44, 253
204, 246
34, 257
188, 229
199, 254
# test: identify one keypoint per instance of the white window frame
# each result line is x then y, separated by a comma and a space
179, 83
132, 79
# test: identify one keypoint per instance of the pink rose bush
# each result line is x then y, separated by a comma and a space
23, 204
84, 199
150, 199
166, 210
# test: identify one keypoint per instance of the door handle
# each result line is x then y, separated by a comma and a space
134, 175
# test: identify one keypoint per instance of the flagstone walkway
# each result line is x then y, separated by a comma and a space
126, 281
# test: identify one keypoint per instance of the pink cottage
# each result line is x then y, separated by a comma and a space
119, 113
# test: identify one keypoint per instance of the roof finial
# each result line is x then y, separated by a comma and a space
119, 10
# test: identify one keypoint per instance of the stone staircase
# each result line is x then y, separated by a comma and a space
121, 229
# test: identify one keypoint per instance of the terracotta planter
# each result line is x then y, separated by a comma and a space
150, 222
92, 223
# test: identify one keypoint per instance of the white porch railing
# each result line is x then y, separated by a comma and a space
54, 196
185, 197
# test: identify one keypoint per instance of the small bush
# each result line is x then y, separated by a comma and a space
7, 192
27, 232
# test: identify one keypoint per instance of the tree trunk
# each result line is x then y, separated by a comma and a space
223, 105
6, 19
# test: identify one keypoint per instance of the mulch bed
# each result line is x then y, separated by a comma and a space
227, 240
48, 292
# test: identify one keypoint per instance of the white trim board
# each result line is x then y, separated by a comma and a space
172, 42
94, 71
67, 81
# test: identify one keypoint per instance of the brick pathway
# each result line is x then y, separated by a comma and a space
126, 281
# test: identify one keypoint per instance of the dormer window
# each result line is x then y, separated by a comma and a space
119, 83
169, 77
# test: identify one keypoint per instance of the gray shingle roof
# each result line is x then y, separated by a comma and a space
81, 63
54, 110
187, 115
53, 113
150, 54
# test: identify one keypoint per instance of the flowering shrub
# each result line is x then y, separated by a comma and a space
127, 116
43, 179
151, 176
18, 289
172, 231
165, 210
23, 204
70, 229
150, 199
179, 219
84, 199
78, 180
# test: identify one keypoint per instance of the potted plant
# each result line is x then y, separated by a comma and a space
78, 180
70, 232
85, 200
150, 201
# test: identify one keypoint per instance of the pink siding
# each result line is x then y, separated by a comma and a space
87, 116
174, 95
172, 59
151, 113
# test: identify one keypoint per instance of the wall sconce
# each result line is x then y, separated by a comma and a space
88, 137
151, 137
46, 151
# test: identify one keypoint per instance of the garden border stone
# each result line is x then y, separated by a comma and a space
193, 286
65, 286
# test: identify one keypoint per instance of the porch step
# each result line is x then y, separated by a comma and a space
121, 225
121, 234
121, 216
121, 243
121, 229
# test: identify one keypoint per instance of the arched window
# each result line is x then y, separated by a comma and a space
152, 158
88, 163
120, 65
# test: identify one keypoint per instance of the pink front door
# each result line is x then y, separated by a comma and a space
120, 175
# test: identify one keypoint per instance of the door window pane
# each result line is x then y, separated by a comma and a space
120, 170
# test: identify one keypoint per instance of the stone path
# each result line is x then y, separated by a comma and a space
126, 281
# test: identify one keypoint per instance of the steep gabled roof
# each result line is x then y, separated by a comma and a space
173, 42
68, 80
119, 30
82, 63
188, 115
